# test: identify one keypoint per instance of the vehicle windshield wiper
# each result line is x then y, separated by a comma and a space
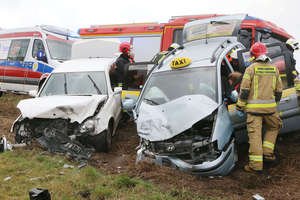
98, 90
151, 101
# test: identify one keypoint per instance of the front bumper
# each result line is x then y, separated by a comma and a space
218, 167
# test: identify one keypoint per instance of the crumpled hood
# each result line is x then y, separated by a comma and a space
75, 108
162, 122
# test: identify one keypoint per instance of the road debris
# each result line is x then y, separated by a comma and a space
7, 178
68, 166
258, 197
39, 194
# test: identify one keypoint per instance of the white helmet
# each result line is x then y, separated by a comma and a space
293, 43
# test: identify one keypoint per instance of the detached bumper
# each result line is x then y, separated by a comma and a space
219, 167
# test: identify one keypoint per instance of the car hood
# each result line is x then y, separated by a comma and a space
162, 122
75, 108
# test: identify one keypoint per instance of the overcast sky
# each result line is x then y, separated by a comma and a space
74, 14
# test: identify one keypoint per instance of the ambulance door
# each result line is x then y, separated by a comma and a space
4, 47
15, 71
35, 66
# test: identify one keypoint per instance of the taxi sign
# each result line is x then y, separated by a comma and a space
180, 62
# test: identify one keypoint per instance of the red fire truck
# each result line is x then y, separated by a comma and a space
149, 38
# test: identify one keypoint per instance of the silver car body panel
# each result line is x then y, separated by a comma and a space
161, 122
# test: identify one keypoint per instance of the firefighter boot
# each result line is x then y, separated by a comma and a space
254, 126
273, 124
247, 168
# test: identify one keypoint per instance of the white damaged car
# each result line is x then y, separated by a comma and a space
75, 108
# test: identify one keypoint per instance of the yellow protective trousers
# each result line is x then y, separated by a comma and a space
258, 147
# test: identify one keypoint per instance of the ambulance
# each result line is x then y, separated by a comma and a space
28, 53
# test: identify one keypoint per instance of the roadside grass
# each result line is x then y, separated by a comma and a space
37, 169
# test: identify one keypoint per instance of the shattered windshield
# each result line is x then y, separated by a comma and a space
167, 86
210, 30
59, 50
75, 83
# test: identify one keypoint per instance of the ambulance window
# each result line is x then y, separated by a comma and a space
18, 49
4, 47
37, 46
177, 36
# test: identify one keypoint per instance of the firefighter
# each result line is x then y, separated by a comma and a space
260, 92
297, 84
122, 62
161, 55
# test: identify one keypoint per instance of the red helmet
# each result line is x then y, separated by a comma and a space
258, 49
124, 47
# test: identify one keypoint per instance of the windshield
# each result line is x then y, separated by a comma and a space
75, 83
59, 50
167, 86
211, 29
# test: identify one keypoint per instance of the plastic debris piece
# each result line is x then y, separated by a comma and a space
68, 166
34, 179
82, 164
258, 197
39, 194
7, 178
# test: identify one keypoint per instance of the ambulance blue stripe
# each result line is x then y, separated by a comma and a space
42, 68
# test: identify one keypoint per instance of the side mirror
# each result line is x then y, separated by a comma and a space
117, 89
33, 93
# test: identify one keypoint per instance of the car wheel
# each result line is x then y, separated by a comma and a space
21, 136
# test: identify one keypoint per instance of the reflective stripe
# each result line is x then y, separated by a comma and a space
256, 158
159, 61
255, 87
265, 70
297, 86
247, 77
258, 101
266, 105
241, 103
268, 145
274, 83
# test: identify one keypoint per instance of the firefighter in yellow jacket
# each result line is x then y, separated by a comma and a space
260, 92
297, 84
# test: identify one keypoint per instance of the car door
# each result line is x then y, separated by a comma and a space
34, 66
4, 47
15, 70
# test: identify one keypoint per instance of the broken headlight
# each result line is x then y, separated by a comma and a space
88, 126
